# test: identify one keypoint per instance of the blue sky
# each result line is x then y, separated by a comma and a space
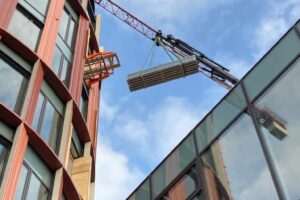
137, 130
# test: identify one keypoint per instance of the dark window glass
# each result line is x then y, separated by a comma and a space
71, 32
278, 113
76, 145
4, 151
25, 27
13, 83
84, 102
47, 121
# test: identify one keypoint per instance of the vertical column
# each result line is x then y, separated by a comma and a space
57, 185
14, 164
65, 141
49, 35
7, 8
76, 78
32, 94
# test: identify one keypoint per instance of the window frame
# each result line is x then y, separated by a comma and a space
4, 142
29, 174
24, 84
34, 20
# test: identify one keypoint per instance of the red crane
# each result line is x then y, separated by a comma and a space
207, 66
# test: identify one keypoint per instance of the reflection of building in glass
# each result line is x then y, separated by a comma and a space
247, 147
48, 115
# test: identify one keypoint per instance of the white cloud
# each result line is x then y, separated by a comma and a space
162, 127
115, 179
172, 14
108, 111
281, 15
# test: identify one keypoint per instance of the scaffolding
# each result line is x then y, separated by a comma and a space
99, 66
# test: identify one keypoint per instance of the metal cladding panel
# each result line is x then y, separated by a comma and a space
163, 73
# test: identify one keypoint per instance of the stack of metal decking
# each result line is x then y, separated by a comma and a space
163, 73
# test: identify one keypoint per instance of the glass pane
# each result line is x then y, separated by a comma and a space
71, 33
56, 60
287, 49
224, 113
279, 119
38, 111
24, 29
36, 190
184, 187
63, 24
142, 193
199, 196
77, 143
235, 167
39, 5
3, 156
50, 125
38, 166
64, 71
21, 183
12, 78
174, 164
83, 106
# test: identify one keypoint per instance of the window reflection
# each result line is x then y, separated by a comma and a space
282, 100
184, 187
25, 28
235, 168
47, 121
11, 96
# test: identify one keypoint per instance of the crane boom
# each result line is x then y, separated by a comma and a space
207, 66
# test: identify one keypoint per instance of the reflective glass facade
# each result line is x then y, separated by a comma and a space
247, 147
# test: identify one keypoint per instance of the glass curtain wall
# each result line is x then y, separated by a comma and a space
63, 55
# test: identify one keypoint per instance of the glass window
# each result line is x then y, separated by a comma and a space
222, 115
269, 67
60, 65
48, 117
37, 8
84, 102
4, 152
174, 164
11, 73
235, 168
25, 27
142, 193
67, 27
35, 179
76, 145
278, 112
184, 188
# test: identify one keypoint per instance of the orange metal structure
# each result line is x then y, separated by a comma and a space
99, 66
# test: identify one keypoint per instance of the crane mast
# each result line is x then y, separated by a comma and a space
207, 66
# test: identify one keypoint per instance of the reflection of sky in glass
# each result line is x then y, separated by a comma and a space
39, 5
245, 165
70, 34
63, 24
283, 99
10, 83
47, 122
22, 28
56, 60
38, 111
36, 190
21, 183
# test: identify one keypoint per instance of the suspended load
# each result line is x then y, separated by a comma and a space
163, 73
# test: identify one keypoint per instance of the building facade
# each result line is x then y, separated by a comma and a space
247, 146
48, 115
